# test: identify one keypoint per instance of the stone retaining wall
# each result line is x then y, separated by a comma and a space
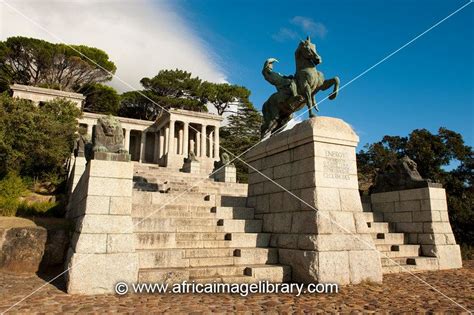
102, 248
422, 214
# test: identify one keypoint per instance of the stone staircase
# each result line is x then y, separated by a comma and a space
204, 233
396, 254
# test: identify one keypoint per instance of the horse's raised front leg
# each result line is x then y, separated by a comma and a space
308, 94
331, 82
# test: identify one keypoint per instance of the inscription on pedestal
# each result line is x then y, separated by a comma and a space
335, 165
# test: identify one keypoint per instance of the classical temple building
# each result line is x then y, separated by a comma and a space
166, 141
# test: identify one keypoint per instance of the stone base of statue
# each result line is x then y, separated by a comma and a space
316, 219
193, 167
109, 156
226, 174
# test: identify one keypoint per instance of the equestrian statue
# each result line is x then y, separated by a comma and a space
293, 92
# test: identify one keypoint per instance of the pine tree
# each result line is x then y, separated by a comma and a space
242, 132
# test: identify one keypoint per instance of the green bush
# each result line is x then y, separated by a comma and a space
36, 140
12, 188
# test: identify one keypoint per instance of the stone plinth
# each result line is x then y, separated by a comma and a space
102, 248
226, 174
422, 214
324, 238
193, 167
107, 156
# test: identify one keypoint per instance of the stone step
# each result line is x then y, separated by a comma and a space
368, 216
178, 199
210, 274
141, 213
424, 263
403, 250
389, 238
233, 201
159, 240
177, 258
176, 211
378, 227
249, 240
175, 225
256, 255
172, 211
272, 273
231, 225
393, 261
211, 261
224, 279
216, 271
156, 240
209, 252
234, 212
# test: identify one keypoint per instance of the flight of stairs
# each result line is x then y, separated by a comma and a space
396, 254
199, 229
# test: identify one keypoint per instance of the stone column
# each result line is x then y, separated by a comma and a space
211, 136
126, 139
203, 140
161, 142
89, 129
186, 139
167, 140
216, 142
180, 141
102, 248
198, 143
156, 150
142, 147
325, 237
171, 148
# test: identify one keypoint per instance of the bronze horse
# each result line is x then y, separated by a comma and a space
280, 106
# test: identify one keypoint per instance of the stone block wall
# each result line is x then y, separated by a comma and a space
102, 250
422, 214
315, 161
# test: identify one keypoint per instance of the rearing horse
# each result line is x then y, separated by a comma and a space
280, 106
309, 81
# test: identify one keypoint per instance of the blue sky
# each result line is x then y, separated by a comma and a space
429, 84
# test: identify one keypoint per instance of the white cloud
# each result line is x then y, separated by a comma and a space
309, 26
305, 25
141, 37
285, 34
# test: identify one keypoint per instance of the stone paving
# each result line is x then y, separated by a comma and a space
399, 293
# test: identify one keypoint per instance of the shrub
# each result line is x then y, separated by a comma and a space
12, 188
35, 140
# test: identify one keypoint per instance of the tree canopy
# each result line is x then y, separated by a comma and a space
242, 132
442, 157
35, 140
40, 63
179, 89
101, 99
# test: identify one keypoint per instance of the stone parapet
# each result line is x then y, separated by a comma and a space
314, 212
102, 250
422, 214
